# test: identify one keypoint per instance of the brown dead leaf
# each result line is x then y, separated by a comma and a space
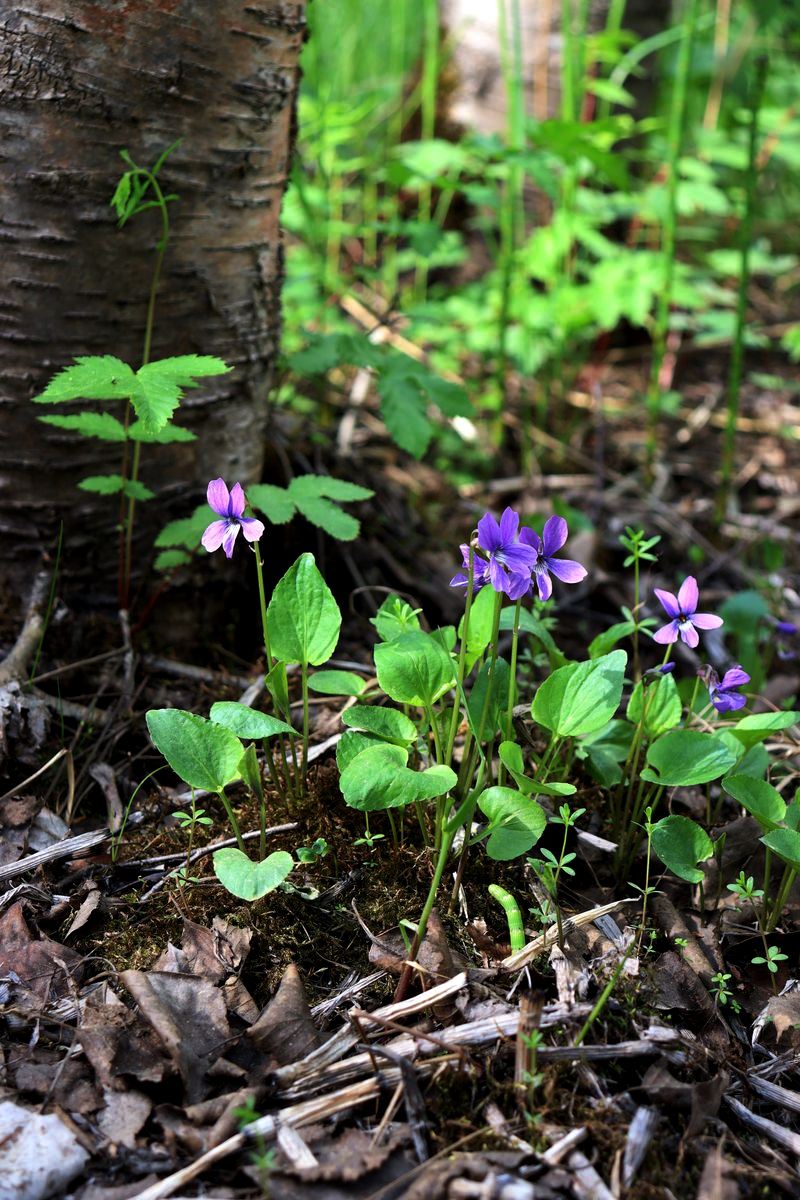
285, 1030
118, 1043
189, 1017
783, 1016
345, 1159
88, 907
45, 967
124, 1116
19, 810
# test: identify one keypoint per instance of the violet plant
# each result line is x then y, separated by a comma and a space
441, 740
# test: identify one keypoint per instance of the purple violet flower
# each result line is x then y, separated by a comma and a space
685, 619
664, 669
229, 506
722, 692
509, 561
554, 535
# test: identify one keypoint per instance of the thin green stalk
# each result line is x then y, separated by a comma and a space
231, 815
304, 691
512, 680
462, 658
669, 231
429, 85
745, 244
788, 879
161, 250
616, 15
602, 999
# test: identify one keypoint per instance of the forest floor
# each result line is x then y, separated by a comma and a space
148, 1021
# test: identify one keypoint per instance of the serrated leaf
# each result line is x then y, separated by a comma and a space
187, 531
93, 377
272, 502
104, 485
139, 432
160, 385
202, 753
328, 350
328, 516
102, 426
134, 489
403, 409
326, 485
168, 560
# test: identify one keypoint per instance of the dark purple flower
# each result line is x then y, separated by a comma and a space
722, 692
787, 628
554, 535
480, 570
685, 619
230, 506
508, 562
664, 669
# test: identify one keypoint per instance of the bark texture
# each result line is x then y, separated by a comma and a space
78, 82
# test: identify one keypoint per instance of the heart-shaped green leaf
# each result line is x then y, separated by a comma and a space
760, 799
581, 697
511, 758
786, 844
516, 822
303, 617
685, 757
681, 844
414, 668
378, 778
758, 726
661, 705
247, 722
337, 683
250, 880
205, 755
387, 723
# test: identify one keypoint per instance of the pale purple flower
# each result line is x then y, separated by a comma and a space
554, 535
230, 507
509, 561
721, 692
685, 620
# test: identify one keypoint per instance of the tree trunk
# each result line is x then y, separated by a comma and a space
80, 80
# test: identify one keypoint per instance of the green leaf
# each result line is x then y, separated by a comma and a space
662, 706
139, 432
278, 687
305, 486
351, 743
404, 409
686, 757
246, 879
329, 517
497, 705
303, 617
168, 560
605, 749
394, 618
786, 844
414, 669
511, 757
337, 683
481, 619
378, 778
247, 722
95, 377
537, 629
135, 489
250, 772
607, 640
272, 502
161, 384
387, 723
758, 726
202, 753
681, 844
188, 531
104, 485
760, 798
516, 822
581, 697
102, 426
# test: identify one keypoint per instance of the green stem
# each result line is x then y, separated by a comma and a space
231, 815
304, 688
668, 236
745, 243
780, 900
462, 658
602, 999
430, 81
